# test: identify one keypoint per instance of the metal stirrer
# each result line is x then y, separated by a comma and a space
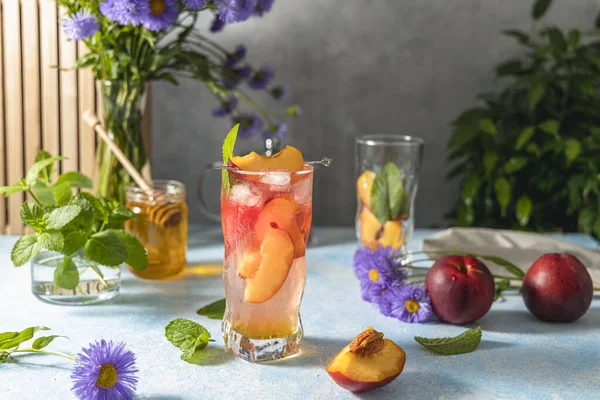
325, 161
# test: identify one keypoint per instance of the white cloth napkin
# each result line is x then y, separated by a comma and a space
521, 248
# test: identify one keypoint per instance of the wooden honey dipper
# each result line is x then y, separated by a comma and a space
163, 212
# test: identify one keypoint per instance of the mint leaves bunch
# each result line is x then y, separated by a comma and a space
69, 223
388, 197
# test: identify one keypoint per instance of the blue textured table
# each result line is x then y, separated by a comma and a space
519, 357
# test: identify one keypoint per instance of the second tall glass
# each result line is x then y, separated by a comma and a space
387, 171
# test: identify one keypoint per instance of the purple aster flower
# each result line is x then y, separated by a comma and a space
125, 12
377, 271
105, 371
163, 13
217, 24
408, 303
263, 6
231, 11
194, 4
226, 107
239, 54
250, 124
278, 131
81, 25
279, 92
261, 78
233, 76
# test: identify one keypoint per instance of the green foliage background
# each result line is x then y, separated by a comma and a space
529, 157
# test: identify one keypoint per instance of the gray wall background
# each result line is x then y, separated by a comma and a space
356, 67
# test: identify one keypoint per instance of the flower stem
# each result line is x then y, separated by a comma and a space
30, 350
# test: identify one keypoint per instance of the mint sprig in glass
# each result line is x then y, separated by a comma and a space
77, 235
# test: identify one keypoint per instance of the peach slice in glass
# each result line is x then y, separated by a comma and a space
276, 257
281, 213
364, 185
289, 159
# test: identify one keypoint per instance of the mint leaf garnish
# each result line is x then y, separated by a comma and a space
106, 248
214, 310
466, 342
32, 215
228, 145
44, 341
136, 253
75, 179
59, 217
379, 198
188, 336
51, 241
66, 275
388, 197
25, 249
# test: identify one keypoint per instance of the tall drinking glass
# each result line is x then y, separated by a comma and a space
387, 171
266, 219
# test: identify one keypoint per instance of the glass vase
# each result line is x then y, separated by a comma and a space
123, 104
97, 283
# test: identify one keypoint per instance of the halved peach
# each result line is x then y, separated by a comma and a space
368, 362
281, 212
364, 185
276, 257
289, 158
370, 229
393, 234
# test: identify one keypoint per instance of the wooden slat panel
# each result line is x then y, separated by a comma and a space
87, 101
68, 102
13, 91
31, 80
49, 61
2, 149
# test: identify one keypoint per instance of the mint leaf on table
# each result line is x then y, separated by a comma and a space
51, 241
106, 248
66, 275
44, 341
214, 310
35, 170
62, 193
396, 193
25, 249
466, 342
75, 179
228, 145
379, 198
188, 336
21, 337
61, 216
32, 215
136, 253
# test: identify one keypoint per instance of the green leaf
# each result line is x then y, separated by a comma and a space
574, 37
524, 137
25, 249
511, 67
503, 193
23, 336
136, 253
461, 136
524, 207
466, 215
466, 342
35, 170
572, 149
510, 267
501, 286
549, 126
90, 205
44, 341
4, 336
534, 149
188, 336
74, 241
556, 38
514, 164
228, 145
62, 193
214, 310
487, 126
32, 215
490, 159
379, 198
397, 198
520, 36
66, 275
46, 173
59, 217
76, 180
44, 195
12, 189
535, 95
106, 248
470, 189
51, 241
539, 8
